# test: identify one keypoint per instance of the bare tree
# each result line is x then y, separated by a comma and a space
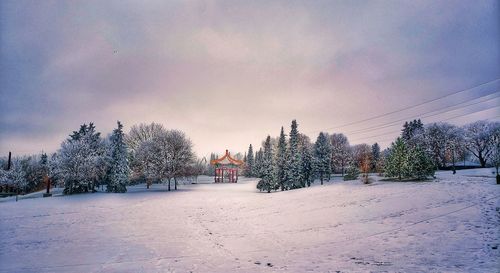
179, 155
341, 152
142, 132
362, 155
479, 139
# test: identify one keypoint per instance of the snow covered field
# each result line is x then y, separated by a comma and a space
450, 225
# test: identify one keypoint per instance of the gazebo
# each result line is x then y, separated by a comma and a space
226, 166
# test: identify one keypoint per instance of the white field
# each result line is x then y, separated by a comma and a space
449, 225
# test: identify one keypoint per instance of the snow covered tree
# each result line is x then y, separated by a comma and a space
375, 156
76, 166
495, 155
419, 163
149, 162
257, 170
438, 138
119, 169
267, 170
281, 160
412, 132
142, 132
404, 161
362, 155
294, 165
397, 160
138, 135
249, 166
210, 169
179, 155
322, 157
307, 163
341, 152
479, 139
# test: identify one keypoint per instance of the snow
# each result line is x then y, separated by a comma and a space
449, 225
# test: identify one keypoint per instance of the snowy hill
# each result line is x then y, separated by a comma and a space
450, 224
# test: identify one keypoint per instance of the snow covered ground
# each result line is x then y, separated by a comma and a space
449, 225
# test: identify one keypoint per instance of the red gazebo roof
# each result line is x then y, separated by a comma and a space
226, 160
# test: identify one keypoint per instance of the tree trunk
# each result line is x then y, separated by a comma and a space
175, 183
169, 184
482, 161
453, 162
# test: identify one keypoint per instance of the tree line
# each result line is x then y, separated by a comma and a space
86, 161
292, 161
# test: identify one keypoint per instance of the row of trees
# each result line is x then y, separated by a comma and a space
294, 162
86, 160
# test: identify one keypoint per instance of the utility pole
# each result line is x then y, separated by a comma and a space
9, 162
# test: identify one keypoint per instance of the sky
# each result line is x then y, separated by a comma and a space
228, 73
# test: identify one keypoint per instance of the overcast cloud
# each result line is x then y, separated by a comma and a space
230, 72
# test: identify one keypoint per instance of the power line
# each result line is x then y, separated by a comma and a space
413, 106
458, 116
440, 111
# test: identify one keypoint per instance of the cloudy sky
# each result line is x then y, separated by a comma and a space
230, 72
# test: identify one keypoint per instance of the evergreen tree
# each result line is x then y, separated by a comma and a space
406, 161
322, 157
413, 132
281, 160
307, 163
294, 176
420, 165
397, 161
250, 162
257, 172
119, 168
267, 170
375, 155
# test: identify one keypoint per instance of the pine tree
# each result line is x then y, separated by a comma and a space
322, 157
119, 169
267, 170
375, 155
397, 161
406, 161
294, 175
420, 165
281, 160
257, 171
307, 164
250, 162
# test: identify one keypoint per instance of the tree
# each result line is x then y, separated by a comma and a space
179, 155
281, 160
90, 142
294, 165
250, 162
267, 170
495, 155
341, 152
322, 157
362, 155
479, 139
375, 156
257, 170
397, 161
412, 132
165, 157
142, 132
438, 137
307, 163
405, 161
119, 169
76, 166
149, 162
